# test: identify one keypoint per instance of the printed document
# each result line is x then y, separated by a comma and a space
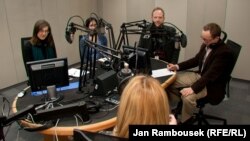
161, 72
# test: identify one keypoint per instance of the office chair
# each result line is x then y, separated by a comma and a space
235, 47
202, 118
24, 40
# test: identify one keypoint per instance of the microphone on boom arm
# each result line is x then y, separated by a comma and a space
182, 38
69, 32
71, 28
101, 26
143, 25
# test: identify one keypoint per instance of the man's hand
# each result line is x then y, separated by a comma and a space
172, 120
172, 67
187, 91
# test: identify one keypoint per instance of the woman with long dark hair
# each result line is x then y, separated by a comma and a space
41, 45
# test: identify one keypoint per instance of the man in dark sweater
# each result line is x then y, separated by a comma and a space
213, 61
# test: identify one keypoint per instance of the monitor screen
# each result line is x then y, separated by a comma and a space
48, 72
138, 59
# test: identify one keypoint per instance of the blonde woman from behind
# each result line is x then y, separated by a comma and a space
143, 102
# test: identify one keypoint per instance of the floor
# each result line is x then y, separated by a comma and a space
234, 109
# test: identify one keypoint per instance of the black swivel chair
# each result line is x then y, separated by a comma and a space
235, 47
202, 118
24, 40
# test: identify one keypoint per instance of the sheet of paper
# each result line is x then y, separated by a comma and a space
102, 60
161, 72
75, 72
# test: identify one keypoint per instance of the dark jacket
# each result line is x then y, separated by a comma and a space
215, 73
37, 52
160, 42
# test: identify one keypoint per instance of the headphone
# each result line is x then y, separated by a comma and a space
123, 84
221, 41
93, 106
214, 45
46, 125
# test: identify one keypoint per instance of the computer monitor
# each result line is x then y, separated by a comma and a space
48, 72
138, 59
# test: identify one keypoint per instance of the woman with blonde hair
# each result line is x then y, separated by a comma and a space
143, 101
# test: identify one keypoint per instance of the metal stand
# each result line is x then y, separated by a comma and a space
2, 138
90, 63
52, 100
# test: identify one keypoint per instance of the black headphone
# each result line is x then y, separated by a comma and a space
93, 106
221, 41
214, 45
123, 84
46, 125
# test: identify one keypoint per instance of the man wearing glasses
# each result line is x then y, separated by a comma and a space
211, 77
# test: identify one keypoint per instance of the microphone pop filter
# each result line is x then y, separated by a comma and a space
183, 40
68, 37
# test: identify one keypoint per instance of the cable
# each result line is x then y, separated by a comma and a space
174, 26
95, 16
109, 109
5, 99
76, 120
136, 56
74, 17
57, 121
17, 136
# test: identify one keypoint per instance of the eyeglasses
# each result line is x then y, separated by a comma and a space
207, 39
44, 31
93, 25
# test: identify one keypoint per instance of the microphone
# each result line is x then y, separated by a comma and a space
124, 73
141, 25
182, 38
69, 33
101, 27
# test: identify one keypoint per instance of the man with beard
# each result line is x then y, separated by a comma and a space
159, 38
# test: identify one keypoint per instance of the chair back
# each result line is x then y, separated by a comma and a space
235, 48
24, 40
224, 36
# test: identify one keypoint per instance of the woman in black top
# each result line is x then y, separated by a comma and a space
41, 45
